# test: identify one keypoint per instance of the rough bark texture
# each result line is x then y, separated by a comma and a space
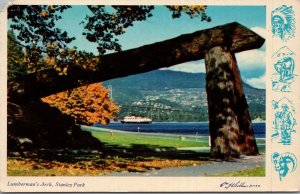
181, 49
223, 120
37, 125
247, 140
230, 123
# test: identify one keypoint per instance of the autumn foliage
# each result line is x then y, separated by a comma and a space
87, 104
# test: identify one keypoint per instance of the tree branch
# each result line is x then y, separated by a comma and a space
27, 47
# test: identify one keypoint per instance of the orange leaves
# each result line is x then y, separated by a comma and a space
88, 104
44, 13
192, 11
66, 58
51, 7
50, 60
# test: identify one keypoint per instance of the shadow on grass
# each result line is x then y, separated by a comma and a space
147, 151
138, 152
105, 160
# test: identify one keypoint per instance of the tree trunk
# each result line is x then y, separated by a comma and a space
44, 127
229, 121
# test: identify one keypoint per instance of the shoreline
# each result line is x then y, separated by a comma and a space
201, 122
99, 129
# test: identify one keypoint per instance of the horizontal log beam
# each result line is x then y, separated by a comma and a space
184, 48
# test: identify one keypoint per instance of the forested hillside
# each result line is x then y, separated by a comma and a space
167, 95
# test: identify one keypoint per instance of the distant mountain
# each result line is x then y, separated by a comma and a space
172, 90
161, 79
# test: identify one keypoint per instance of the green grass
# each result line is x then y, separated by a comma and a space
122, 139
259, 171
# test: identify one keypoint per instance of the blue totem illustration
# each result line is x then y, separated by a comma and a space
284, 121
283, 22
284, 163
284, 66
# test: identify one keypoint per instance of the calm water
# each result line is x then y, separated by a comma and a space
180, 128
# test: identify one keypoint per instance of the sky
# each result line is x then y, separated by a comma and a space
161, 27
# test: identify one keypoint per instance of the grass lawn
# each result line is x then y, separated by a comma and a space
259, 171
121, 154
131, 139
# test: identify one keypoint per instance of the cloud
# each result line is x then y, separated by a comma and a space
247, 61
257, 82
190, 67
260, 31
251, 60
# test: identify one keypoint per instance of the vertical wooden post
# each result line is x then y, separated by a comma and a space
229, 119
247, 140
223, 121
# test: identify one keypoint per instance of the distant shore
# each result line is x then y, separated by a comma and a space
253, 121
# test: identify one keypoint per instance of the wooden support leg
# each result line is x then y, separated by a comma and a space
247, 140
229, 120
223, 121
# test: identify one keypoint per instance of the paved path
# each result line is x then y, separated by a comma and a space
204, 170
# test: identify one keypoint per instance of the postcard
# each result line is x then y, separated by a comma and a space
150, 96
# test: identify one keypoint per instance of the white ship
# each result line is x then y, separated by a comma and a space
134, 119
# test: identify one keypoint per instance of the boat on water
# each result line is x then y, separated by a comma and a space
134, 119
